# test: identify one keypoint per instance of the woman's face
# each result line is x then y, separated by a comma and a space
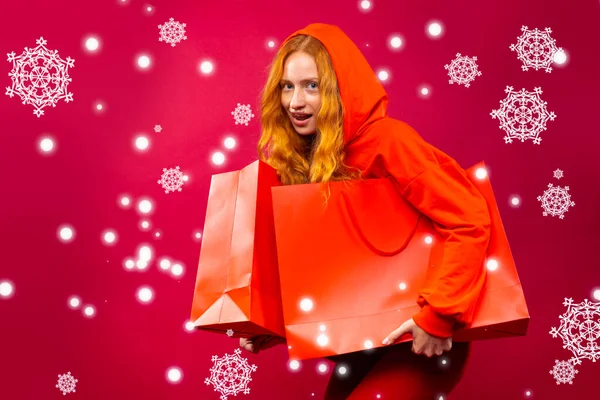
300, 95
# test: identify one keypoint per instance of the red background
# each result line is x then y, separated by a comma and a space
124, 351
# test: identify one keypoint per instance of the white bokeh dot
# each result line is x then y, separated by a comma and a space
145, 294
143, 61
164, 264
229, 143
322, 340
402, 286
189, 326
294, 365
74, 302
7, 289
218, 158
129, 264
596, 294
142, 143
125, 201
492, 264
145, 253
515, 201
109, 237
66, 233
145, 206
481, 173
47, 145
424, 91
174, 375
322, 368
177, 270
395, 42
383, 75
92, 44
435, 29
365, 5
89, 311
206, 67
560, 57
306, 305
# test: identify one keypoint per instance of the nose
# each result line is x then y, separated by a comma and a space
297, 100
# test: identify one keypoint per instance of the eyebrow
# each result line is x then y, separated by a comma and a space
302, 81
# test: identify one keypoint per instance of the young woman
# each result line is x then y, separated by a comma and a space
324, 118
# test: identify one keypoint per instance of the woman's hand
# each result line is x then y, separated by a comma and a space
262, 342
423, 342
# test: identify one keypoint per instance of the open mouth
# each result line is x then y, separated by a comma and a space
302, 117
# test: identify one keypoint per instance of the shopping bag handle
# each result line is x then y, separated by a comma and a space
364, 238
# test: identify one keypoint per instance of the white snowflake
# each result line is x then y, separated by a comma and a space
40, 77
580, 331
535, 48
157, 128
230, 374
172, 32
523, 115
563, 372
462, 70
556, 201
242, 114
558, 173
171, 180
230, 332
66, 383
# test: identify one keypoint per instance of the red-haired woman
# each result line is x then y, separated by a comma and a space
324, 118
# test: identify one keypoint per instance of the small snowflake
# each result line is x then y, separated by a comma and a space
230, 332
40, 77
230, 374
66, 383
157, 128
558, 173
462, 70
242, 114
556, 201
536, 49
171, 180
563, 372
172, 32
523, 115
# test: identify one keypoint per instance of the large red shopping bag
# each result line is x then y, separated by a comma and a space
237, 284
350, 272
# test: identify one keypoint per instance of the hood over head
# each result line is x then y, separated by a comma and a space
363, 96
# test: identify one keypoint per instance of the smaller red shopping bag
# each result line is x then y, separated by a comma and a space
237, 284
350, 272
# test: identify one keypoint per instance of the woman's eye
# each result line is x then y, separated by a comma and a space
315, 84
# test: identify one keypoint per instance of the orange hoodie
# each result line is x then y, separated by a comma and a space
430, 180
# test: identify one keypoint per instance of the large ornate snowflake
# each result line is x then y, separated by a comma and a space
66, 383
172, 32
523, 115
171, 180
230, 374
556, 201
462, 70
579, 330
242, 114
535, 48
40, 77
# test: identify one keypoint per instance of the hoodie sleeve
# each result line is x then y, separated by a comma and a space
439, 188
